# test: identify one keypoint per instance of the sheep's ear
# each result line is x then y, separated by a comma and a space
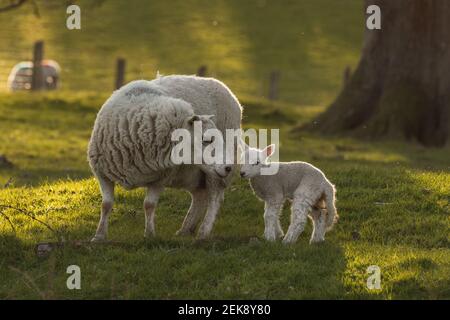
269, 150
193, 118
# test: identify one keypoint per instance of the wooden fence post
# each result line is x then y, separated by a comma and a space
120, 72
273, 85
202, 71
37, 78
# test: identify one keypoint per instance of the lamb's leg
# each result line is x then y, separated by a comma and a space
107, 190
150, 203
215, 198
198, 206
279, 229
318, 216
272, 227
301, 206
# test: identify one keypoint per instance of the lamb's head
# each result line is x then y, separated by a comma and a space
207, 144
253, 160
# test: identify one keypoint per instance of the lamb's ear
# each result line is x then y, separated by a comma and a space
269, 150
207, 116
193, 118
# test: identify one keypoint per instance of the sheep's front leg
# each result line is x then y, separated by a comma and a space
198, 207
318, 216
150, 202
272, 227
107, 190
215, 198
299, 215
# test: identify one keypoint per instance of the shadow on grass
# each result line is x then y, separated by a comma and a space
397, 152
226, 268
12, 250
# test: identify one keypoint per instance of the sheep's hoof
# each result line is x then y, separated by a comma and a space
270, 237
149, 235
98, 238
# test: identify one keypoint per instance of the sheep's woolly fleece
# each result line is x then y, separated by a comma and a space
131, 139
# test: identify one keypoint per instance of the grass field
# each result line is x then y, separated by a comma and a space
310, 42
393, 200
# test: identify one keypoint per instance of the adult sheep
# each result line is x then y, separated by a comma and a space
131, 144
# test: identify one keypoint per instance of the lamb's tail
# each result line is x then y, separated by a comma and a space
330, 200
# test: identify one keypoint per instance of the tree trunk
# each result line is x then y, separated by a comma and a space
401, 87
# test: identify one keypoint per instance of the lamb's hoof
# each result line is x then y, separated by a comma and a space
288, 241
316, 241
184, 233
203, 233
202, 237
98, 238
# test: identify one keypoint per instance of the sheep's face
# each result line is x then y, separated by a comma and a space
253, 160
208, 145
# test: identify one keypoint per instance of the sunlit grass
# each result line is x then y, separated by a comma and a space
309, 42
392, 199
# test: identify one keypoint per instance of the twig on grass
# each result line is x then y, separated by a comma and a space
30, 215
4, 215
29, 282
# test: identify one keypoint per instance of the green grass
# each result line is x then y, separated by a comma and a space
393, 200
310, 42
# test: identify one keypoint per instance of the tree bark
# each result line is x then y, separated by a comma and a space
401, 87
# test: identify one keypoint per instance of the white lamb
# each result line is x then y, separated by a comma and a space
308, 188
131, 145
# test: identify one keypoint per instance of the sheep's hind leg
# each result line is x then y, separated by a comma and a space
150, 202
301, 206
318, 216
107, 190
272, 227
197, 208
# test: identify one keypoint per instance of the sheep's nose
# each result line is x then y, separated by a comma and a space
228, 169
